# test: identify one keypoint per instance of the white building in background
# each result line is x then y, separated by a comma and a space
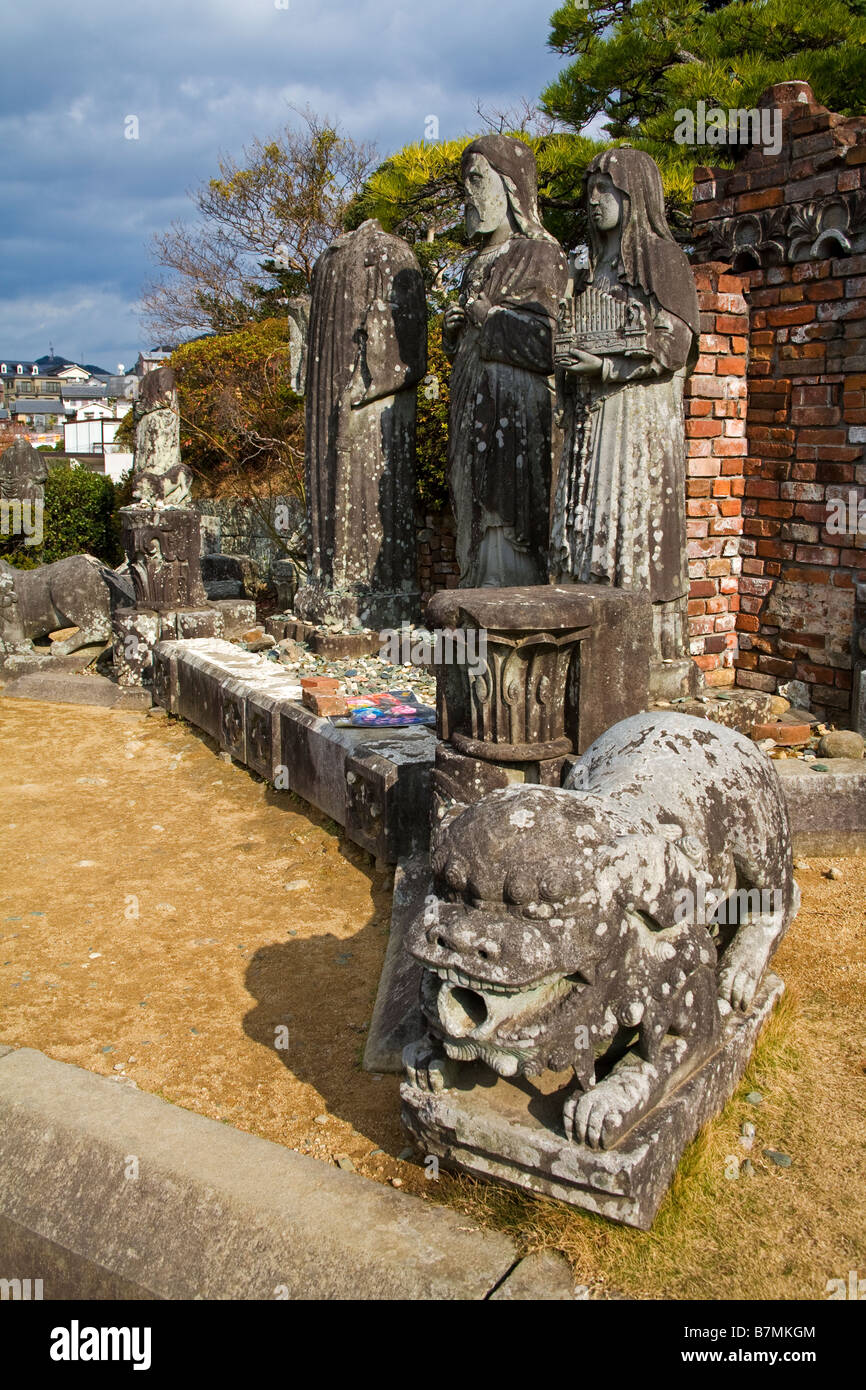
92, 432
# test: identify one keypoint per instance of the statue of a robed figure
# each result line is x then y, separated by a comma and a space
500, 340
627, 337
365, 352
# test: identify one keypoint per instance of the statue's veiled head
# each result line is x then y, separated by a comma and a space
486, 197
606, 203
500, 179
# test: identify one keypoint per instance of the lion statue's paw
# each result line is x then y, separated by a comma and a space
601, 1116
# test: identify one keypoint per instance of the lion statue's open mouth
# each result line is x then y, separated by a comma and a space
481, 1020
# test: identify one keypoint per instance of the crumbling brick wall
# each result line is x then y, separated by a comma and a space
794, 226
715, 402
437, 556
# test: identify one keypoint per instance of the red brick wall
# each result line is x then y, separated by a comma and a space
715, 436
437, 560
790, 224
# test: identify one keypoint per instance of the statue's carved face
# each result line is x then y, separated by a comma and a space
486, 198
548, 930
605, 202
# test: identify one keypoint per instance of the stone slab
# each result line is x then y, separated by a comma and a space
544, 1276
826, 810
738, 709
512, 1130
69, 689
212, 1213
397, 1018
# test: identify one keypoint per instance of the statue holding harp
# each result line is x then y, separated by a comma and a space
627, 335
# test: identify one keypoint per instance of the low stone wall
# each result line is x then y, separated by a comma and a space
107, 1192
244, 528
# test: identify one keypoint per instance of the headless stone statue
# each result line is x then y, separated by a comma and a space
365, 353
628, 337
159, 477
500, 340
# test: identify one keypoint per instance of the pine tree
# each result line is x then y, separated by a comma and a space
637, 63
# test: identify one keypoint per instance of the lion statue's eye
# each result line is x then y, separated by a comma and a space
520, 889
554, 887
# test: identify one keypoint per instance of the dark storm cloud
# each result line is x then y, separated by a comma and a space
80, 202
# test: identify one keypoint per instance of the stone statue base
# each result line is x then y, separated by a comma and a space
512, 1130
136, 632
317, 604
163, 546
674, 680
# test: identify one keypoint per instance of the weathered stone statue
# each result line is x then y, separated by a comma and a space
366, 351
159, 477
500, 340
23, 473
66, 593
618, 929
628, 335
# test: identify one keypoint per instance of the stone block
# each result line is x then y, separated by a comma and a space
397, 1019
225, 576
191, 623
826, 809
67, 688
212, 1213
284, 574
135, 633
264, 708
314, 754
233, 718
343, 646
165, 688
238, 614
388, 792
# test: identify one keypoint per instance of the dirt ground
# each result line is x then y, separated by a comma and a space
166, 918
163, 915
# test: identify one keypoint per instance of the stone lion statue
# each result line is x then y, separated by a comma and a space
606, 926
74, 592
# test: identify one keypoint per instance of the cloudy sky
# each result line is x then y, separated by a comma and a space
79, 202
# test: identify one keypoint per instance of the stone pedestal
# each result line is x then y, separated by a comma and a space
163, 545
511, 1130
558, 666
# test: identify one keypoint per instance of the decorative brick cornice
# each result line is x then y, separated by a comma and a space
816, 230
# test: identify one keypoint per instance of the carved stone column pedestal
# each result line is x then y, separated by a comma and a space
555, 667
163, 546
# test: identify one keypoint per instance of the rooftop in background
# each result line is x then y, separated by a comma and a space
45, 366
